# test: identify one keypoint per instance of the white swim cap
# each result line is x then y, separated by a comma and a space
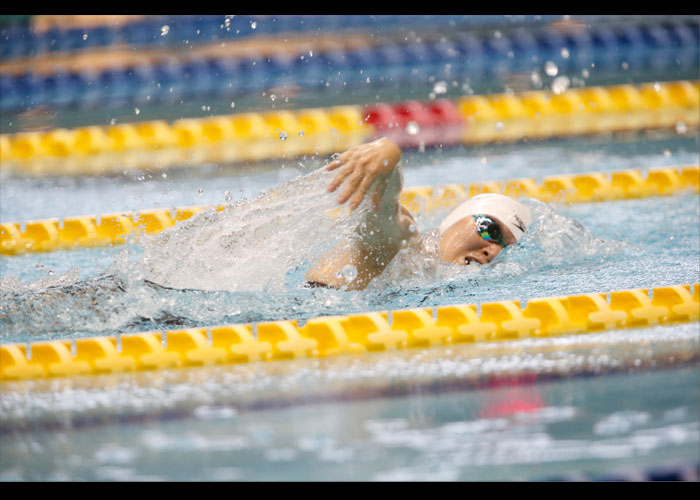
513, 214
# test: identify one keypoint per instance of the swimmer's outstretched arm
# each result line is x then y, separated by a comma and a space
373, 169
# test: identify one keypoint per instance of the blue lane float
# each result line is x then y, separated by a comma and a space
463, 55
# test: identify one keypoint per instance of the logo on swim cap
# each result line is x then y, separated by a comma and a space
510, 212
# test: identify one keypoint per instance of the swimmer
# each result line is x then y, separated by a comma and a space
474, 232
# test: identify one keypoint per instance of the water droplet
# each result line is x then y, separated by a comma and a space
348, 273
227, 196
273, 97
585, 73
85, 36
681, 128
625, 65
301, 133
667, 153
550, 68
560, 84
440, 87
283, 136
565, 53
500, 126
253, 25
412, 128
164, 30
137, 111
200, 191
112, 121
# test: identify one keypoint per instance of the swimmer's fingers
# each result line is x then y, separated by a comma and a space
340, 178
337, 161
351, 186
360, 192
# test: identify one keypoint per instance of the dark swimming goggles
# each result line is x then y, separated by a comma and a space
488, 229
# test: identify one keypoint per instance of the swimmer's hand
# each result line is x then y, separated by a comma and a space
361, 166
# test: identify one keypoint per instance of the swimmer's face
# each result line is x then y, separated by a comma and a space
462, 244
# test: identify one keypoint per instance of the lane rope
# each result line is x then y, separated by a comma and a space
54, 234
352, 334
243, 137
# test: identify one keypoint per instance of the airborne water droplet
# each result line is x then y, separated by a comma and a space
551, 69
412, 128
440, 87
283, 136
164, 30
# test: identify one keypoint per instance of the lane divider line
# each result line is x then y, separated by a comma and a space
242, 137
49, 235
352, 334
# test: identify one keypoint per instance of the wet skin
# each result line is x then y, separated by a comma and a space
461, 243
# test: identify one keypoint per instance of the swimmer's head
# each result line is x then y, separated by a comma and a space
478, 229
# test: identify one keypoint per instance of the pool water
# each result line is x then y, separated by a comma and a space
592, 406
590, 403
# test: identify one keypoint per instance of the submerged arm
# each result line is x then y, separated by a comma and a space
369, 167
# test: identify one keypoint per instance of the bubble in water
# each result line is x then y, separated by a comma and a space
164, 30
283, 136
551, 69
412, 128
440, 87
